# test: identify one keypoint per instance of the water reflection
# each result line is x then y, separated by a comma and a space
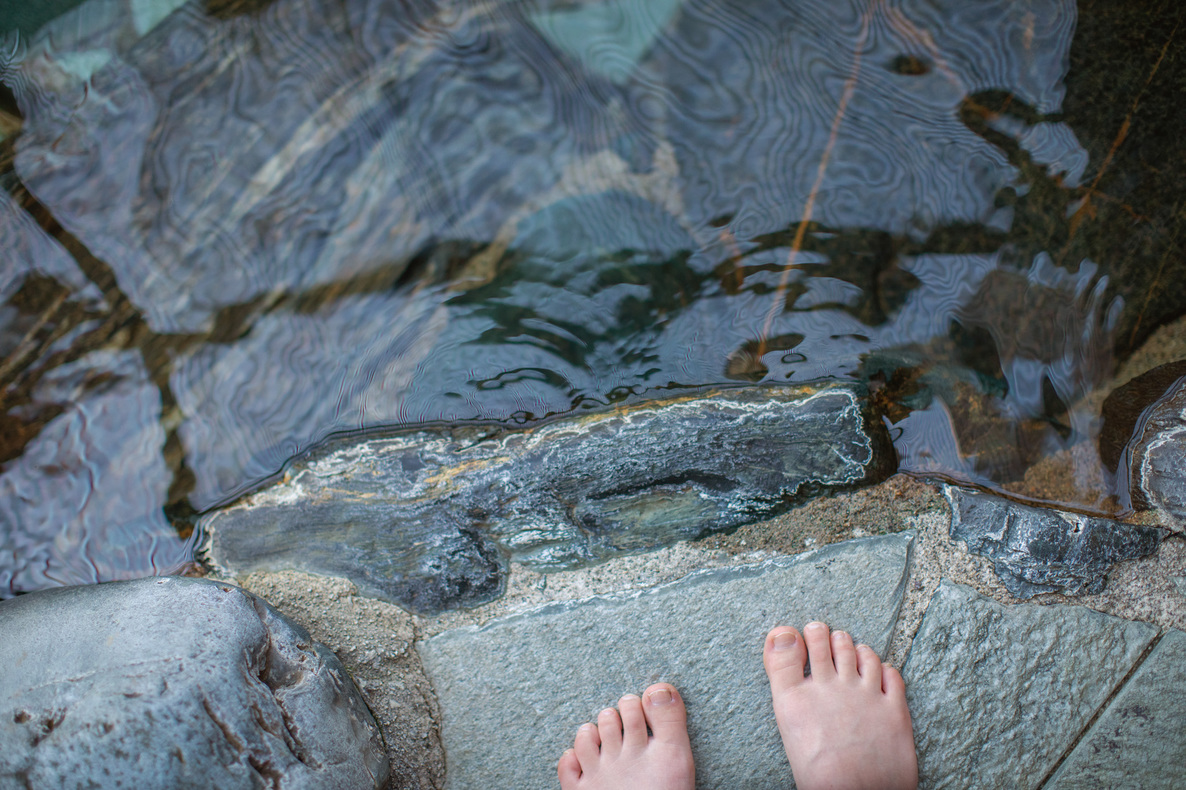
239, 227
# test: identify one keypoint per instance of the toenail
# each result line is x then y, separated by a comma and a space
838, 634
588, 726
607, 712
784, 641
661, 697
815, 625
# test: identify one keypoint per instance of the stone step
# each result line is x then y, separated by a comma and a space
513, 692
999, 693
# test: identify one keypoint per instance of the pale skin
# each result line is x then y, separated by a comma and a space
845, 726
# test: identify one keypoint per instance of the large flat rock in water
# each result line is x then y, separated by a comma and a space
175, 683
513, 692
1140, 739
999, 693
428, 518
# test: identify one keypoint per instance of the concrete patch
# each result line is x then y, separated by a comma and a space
512, 693
999, 693
1140, 740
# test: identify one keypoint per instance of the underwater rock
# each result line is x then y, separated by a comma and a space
429, 519
1038, 550
172, 682
1158, 454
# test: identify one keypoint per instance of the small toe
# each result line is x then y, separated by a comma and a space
587, 746
819, 650
785, 656
869, 666
844, 655
666, 714
569, 770
609, 729
634, 723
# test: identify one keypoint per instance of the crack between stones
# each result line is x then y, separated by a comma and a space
1107, 703
907, 575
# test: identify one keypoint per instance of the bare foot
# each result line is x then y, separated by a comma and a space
846, 725
618, 754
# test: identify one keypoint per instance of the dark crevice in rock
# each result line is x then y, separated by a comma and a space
266, 770
276, 673
234, 740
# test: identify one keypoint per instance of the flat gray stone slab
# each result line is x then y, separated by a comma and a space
1140, 740
999, 693
513, 692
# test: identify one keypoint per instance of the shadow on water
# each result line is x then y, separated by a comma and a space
254, 224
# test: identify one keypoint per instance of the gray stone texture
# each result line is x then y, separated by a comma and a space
174, 683
1039, 550
1140, 740
513, 692
1159, 456
427, 519
999, 693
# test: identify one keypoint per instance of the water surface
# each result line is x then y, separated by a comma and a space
233, 229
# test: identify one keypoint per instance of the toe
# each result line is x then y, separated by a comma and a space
634, 723
587, 746
819, 650
869, 666
609, 729
844, 655
666, 714
785, 657
569, 770
892, 683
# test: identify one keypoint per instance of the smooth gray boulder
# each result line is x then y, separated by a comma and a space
1140, 740
1039, 550
1159, 456
513, 692
175, 683
999, 693
427, 519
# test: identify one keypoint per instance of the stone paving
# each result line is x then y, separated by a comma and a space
1024, 695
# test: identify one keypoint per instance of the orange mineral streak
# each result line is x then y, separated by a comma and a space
850, 85
1086, 209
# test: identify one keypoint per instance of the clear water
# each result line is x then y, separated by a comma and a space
232, 229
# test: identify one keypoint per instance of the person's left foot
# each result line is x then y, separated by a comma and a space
617, 753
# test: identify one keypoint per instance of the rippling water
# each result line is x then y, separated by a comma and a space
233, 228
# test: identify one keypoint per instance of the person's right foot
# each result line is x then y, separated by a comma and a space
618, 753
846, 725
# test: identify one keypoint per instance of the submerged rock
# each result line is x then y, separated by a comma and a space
1158, 454
429, 519
175, 683
1038, 550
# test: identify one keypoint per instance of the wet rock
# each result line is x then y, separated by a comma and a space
1038, 550
999, 693
428, 519
702, 633
1140, 740
1122, 411
174, 683
1158, 454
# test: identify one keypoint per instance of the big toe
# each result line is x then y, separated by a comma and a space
785, 657
666, 715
